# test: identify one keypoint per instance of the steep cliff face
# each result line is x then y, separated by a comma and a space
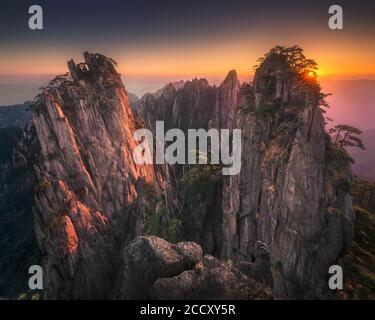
359, 262
87, 181
193, 104
283, 220
291, 207
196, 192
227, 101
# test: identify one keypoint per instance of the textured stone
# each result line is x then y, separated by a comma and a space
283, 186
282, 221
147, 259
214, 280
154, 268
87, 178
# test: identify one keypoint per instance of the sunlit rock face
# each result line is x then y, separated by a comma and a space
88, 193
290, 207
282, 221
87, 181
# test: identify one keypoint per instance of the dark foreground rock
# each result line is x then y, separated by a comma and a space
156, 269
210, 279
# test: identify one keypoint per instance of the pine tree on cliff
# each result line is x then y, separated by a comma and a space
347, 136
295, 58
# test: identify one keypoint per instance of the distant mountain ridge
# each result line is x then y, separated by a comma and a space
352, 102
364, 166
14, 116
282, 221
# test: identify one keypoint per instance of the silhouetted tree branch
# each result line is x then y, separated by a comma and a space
346, 136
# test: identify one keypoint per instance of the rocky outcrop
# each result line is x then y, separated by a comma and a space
87, 182
227, 102
212, 279
280, 223
193, 104
147, 259
288, 200
196, 105
89, 197
154, 268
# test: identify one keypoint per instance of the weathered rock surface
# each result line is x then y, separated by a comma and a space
193, 104
196, 105
148, 258
87, 180
289, 199
154, 268
213, 280
282, 221
286, 217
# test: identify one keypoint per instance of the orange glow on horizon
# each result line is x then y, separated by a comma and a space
212, 59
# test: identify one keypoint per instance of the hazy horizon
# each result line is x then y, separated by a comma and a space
141, 84
352, 100
167, 41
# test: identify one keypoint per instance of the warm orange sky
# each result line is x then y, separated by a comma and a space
338, 58
156, 42
186, 38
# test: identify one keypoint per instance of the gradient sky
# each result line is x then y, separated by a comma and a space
185, 37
